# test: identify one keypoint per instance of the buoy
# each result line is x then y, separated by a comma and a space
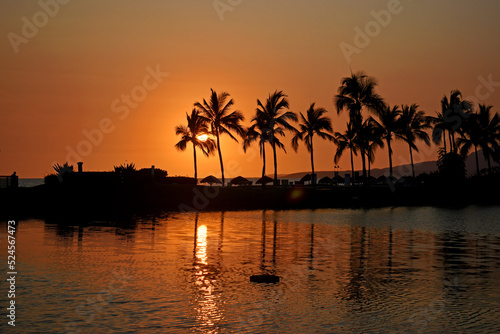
264, 278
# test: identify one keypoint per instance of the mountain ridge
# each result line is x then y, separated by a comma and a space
400, 170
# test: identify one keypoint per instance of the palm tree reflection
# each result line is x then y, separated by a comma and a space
263, 264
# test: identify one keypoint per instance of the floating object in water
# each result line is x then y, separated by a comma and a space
264, 278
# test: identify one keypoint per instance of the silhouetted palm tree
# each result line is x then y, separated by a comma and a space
439, 130
346, 140
222, 121
375, 140
313, 123
277, 122
413, 124
357, 91
369, 136
490, 126
480, 130
258, 131
389, 121
195, 127
454, 111
470, 136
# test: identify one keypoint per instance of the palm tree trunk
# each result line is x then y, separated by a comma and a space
352, 165
390, 156
411, 159
263, 163
220, 159
369, 167
454, 146
263, 160
275, 165
444, 140
364, 165
312, 164
451, 143
195, 167
477, 160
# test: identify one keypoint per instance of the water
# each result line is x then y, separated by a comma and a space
30, 182
413, 270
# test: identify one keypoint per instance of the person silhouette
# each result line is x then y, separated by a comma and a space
14, 180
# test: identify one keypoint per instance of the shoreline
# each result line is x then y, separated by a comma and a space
88, 201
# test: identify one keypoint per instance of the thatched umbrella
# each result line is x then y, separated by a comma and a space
264, 180
211, 180
240, 180
387, 179
325, 180
305, 178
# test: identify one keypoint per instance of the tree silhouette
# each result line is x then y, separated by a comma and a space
216, 113
357, 91
369, 136
258, 131
313, 123
389, 121
375, 135
277, 122
61, 170
346, 140
439, 130
481, 130
491, 131
413, 124
451, 167
454, 111
196, 127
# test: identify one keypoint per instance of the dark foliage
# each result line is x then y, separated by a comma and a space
451, 166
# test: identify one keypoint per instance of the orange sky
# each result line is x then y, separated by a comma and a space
63, 67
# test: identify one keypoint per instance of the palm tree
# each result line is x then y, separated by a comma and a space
258, 131
480, 130
277, 122
440, 127
375, 140
389, 121
413, 124
357, 91
454, 110
471, 136
490, 127
222, 121
313, 123
192, 133
369, 136
346, 140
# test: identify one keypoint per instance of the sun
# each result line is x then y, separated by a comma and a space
202, 137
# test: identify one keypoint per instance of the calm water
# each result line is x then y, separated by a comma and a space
399, 270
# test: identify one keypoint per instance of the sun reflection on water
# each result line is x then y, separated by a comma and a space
208, 312
201, 245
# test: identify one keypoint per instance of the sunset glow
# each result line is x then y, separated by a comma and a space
203, 137
106, 83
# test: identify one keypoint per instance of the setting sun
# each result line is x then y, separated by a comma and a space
202, 137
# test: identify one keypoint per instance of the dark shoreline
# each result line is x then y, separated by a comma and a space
92, 202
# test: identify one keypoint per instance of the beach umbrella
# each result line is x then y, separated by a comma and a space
240, 180
211, 180
264, 180
305, 178
386, 179
325, 180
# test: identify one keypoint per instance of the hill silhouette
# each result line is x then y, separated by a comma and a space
403, 170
